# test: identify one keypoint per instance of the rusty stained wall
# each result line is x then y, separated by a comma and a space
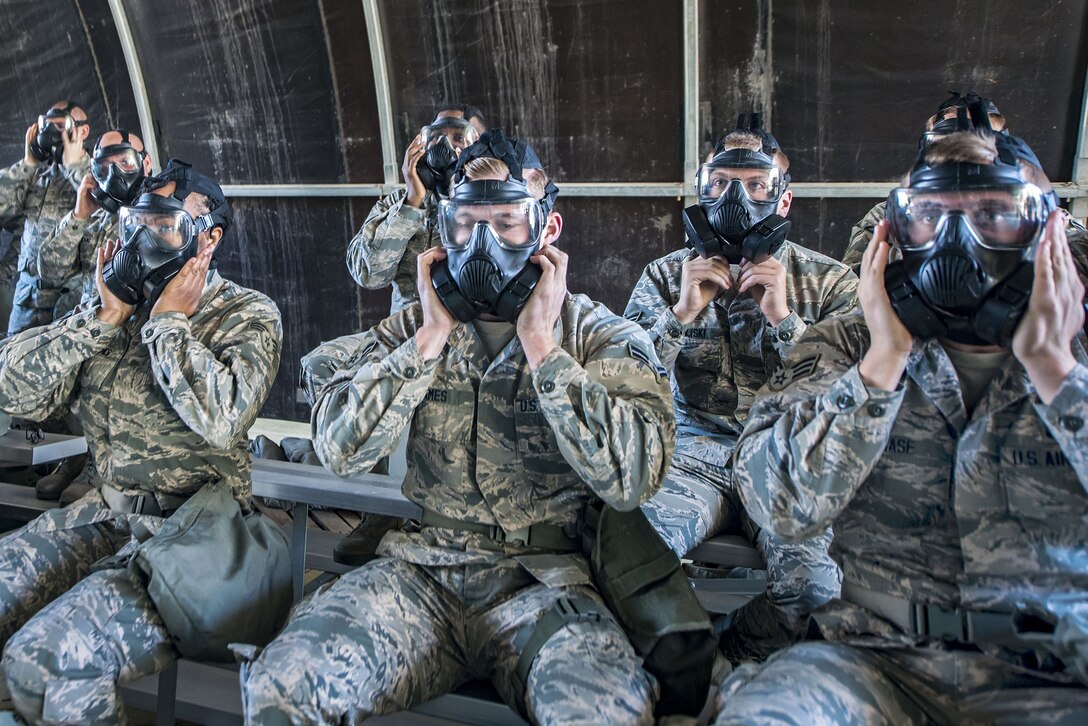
263, 91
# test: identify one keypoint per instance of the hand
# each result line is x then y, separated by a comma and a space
85, 203
767, 282
112, 311
1055, 314
884, 362
438, 322
701, 280
28, 158
537, 319
182, 293
416, 190
73, 148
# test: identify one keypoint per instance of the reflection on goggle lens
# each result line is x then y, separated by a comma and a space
515, 225
1002, 218
761, 185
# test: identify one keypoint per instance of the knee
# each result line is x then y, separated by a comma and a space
273, 696
43, 689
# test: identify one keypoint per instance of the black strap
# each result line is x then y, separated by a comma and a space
574, 607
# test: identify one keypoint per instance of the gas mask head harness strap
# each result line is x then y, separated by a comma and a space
516, 153
735, 216
489, 229
119, 171
48, 144
967, 233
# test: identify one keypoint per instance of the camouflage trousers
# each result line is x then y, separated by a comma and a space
696, 502
393, 634
71, 635
836, 683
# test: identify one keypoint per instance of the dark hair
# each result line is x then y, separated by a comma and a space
467, 110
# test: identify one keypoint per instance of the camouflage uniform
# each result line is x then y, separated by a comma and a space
166, 404
986, 511
385, 249
41, 195
491, 443
69, 256
718, 362
861, 234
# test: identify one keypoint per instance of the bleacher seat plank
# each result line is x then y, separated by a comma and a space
20, 502
317, 486
733, 549
15, 449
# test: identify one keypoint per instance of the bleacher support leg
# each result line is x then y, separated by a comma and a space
300, 514
167, 696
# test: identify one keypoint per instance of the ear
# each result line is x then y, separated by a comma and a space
84, 132
784, 203
210, 240
147, 165
552, 229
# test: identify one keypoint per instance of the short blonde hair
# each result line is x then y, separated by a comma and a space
965, 147
747, 140
483, 166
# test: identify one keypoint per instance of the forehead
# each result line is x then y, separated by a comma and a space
733, 173
194, 203
450, 114
110, 138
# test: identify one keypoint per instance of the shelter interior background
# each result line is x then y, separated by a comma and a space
621, 99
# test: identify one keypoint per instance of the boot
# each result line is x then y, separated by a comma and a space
50, 486
295, 448
265, 448
358, 546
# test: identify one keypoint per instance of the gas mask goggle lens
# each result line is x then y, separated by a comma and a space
756, 185
169, 230
460, 134
515, 225
489, 230
1002, 218
124, 157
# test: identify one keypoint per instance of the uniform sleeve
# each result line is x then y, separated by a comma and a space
813, 435
375, 252
15, 183
39, 368
217, 391
75, 173
861, 234
1066, 417
363, 406
612, 415
58, 255
9, 262
650, 307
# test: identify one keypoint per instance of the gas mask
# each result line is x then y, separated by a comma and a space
738, 191
967, 234
118, 170
53, 125
443, 140
489, 230
158, 236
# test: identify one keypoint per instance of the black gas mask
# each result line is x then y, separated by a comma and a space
489, 230
53, 125
739, 191
158, 236
967, 234
443, 140
119, 171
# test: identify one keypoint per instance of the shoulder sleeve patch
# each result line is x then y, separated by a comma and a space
801, 369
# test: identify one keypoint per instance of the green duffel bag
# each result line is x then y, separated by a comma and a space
642, 582
217, 575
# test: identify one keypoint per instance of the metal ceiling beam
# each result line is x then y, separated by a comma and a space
1079, 207
381, 90
803, 190
691, 97
136, 76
